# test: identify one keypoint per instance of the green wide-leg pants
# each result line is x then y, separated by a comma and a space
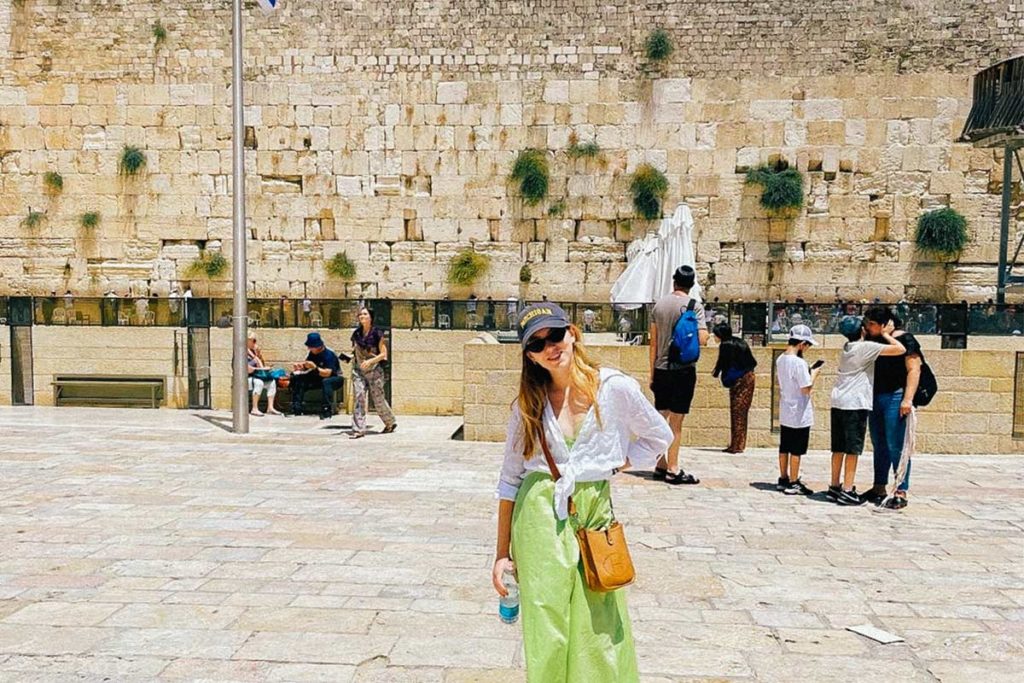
570, 633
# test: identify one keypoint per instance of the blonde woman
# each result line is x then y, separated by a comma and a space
595, 422
260, 378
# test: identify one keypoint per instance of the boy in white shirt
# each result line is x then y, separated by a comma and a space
852, 401
796, 414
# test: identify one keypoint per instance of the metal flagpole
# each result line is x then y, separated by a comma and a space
239, 361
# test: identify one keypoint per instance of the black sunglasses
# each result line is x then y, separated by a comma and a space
555, 336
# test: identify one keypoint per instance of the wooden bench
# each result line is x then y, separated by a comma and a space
104, 390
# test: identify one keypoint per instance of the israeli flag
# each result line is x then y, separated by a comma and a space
268, 6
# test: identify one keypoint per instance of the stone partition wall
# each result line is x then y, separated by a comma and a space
427, 371
104, 351
387, 131
973, 412
6, 389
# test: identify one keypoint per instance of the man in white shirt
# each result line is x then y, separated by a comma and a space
796, 414
852, 399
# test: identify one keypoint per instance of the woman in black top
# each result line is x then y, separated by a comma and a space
736, 367
370, 351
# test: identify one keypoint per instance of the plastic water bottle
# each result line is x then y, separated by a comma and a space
508, 606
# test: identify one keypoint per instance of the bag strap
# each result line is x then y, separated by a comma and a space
555, 474
692, 304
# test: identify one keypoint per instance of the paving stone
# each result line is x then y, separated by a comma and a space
157, 546
62, 613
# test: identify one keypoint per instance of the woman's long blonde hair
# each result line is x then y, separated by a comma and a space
584, 378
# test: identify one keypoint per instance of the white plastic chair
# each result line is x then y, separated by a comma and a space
444, 321
59, 317
315, 319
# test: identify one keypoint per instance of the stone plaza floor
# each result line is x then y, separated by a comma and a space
144, 545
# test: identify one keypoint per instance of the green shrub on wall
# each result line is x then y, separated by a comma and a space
89, 219
648, 187
530, 170
341, 267
33, 220
782, 188
586, 150
209, 264
467, 267
525, 274
132, 161
658, 45
942, 231
159, 34
54, 182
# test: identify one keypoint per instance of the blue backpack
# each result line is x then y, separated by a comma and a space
685, 346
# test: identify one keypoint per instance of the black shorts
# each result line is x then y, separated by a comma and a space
848, 430
793, 440
673, 389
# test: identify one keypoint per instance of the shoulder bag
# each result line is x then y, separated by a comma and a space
607, 565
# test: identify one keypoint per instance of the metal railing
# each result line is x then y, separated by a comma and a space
763, 321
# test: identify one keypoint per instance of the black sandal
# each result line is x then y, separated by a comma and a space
390, 428
681, 478
660, 474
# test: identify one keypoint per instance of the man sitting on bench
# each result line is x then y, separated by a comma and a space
320, 369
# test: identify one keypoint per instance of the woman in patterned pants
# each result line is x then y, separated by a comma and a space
736, 366
370, 351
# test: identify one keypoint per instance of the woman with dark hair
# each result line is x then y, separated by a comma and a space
589, 422
369, 350
735, 366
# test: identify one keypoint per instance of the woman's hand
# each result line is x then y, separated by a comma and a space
366, 365
501, 565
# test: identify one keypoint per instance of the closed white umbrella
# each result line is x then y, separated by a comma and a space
654, 258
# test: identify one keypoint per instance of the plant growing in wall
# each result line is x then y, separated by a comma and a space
467, 267
132, 161
782, 188
577, 150
341, 267
557, 209
54, 182
159, 34
942, 231
209, 264
658, 46
648, 187
33, 219
530, 170
525, 274
89, 219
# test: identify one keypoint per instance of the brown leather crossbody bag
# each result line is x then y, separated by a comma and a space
607, 565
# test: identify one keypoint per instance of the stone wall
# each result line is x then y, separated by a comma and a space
106, 351
973, 412
427, 372
6, 389
387, 130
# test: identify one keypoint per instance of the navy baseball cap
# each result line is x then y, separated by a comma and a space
313, 340
538, 317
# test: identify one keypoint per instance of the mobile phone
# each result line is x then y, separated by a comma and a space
817, 364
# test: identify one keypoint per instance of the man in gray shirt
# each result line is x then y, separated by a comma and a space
673, 383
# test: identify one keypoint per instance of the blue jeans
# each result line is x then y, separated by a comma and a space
887, 432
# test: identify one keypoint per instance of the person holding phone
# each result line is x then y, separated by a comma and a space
796, 414
852, 403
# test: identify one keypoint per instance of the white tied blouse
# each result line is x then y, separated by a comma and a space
633, 429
